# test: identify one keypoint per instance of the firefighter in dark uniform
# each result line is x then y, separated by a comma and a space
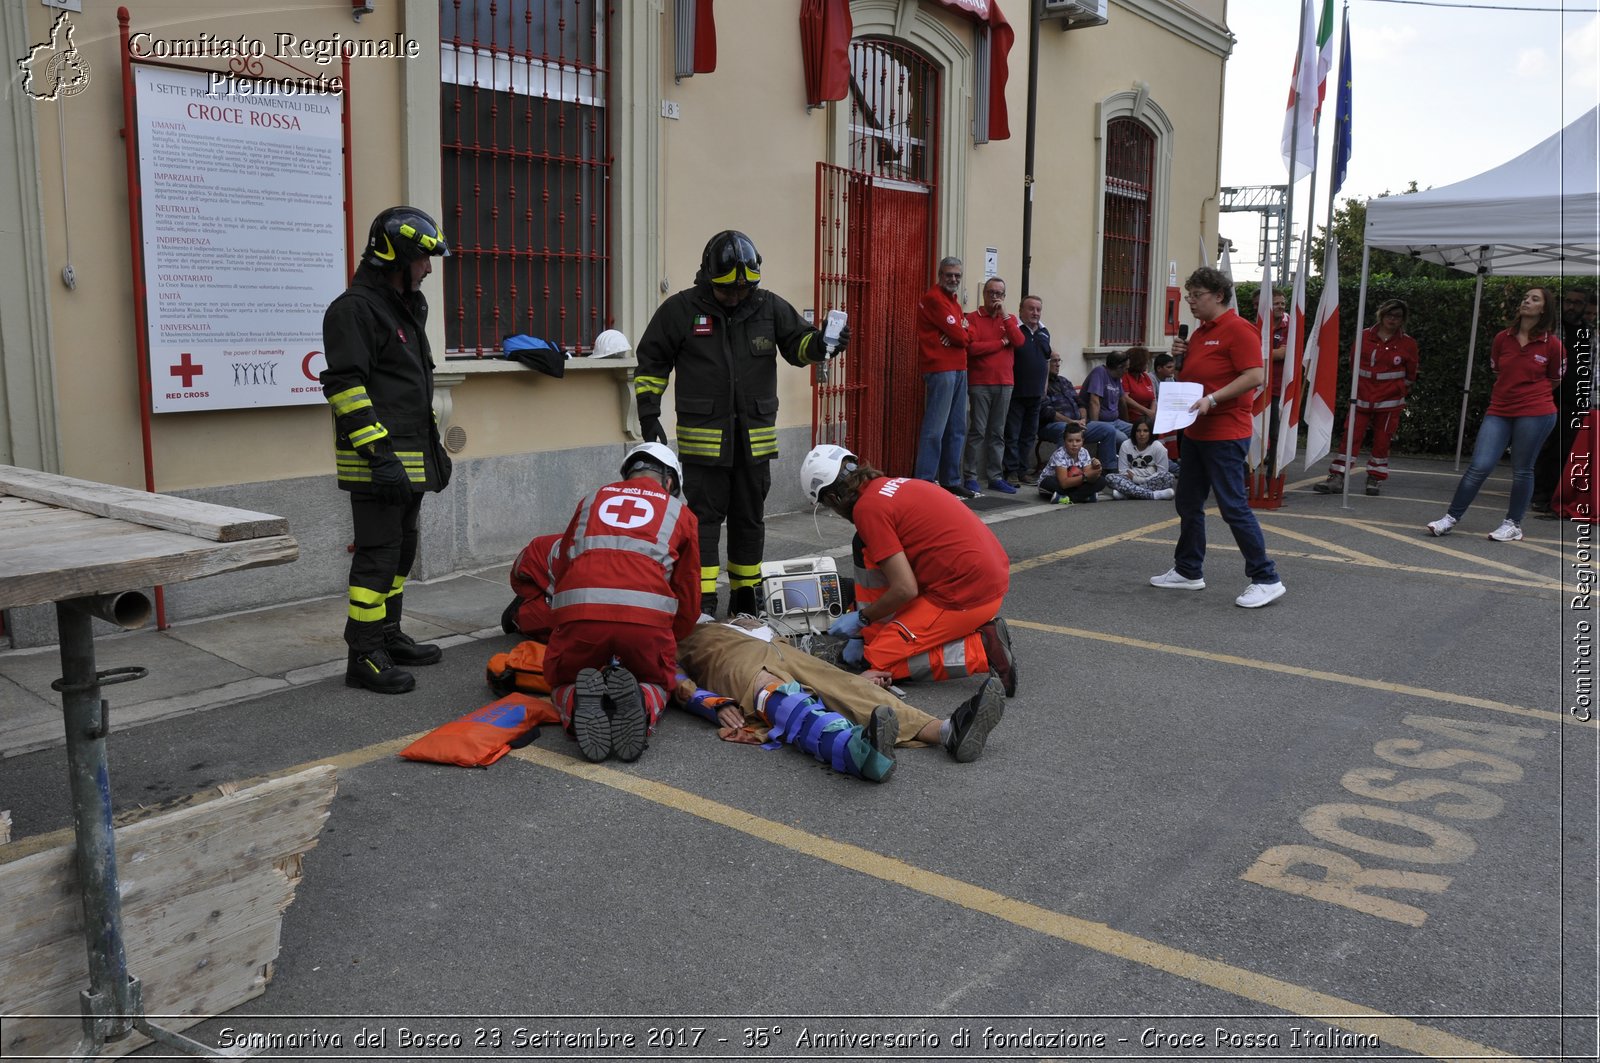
723, 337
379, 381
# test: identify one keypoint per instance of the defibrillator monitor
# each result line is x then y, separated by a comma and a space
803, 593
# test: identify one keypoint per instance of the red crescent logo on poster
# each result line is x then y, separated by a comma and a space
305, 366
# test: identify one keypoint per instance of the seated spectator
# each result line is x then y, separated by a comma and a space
1141, 468
1071, 475
1060, 408
1101, 395
844, 720
1138, 388
1166, 368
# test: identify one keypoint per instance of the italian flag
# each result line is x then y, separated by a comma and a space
1312, 61
1322, 361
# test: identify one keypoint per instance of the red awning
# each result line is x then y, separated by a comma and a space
1001, 38
825, 29
705, 38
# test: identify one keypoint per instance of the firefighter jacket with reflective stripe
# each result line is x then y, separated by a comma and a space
631, 554
379, 381
727, 366
1388, 369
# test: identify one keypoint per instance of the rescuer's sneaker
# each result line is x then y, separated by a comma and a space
591, 725
373, 670
1333, 485
403, 649
971, 723
630, 724
997, 647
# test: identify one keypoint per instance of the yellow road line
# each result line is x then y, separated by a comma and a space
1098, 937
1421, 538
1097, 544
1305, 673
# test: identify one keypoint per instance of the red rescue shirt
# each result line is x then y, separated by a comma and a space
1525, 377
942, 333
957, 561
1219, 351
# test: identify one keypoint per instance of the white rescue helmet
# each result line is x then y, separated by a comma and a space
658, 456
821, 468
611, 344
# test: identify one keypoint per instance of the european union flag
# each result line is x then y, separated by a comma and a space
1341, 131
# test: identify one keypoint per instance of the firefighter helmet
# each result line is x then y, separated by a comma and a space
656, 456
400, 235
822, 468
730, 257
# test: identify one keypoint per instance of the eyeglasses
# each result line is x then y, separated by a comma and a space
995, 292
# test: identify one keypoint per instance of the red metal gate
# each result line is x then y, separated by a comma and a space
875, 235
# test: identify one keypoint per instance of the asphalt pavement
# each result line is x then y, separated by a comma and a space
1358, 823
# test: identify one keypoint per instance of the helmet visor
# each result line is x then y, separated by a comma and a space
735, 262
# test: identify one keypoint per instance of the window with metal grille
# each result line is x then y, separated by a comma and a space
523, 148
1125, 245
891, 111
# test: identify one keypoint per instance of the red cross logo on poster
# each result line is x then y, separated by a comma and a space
188, 370
627, 512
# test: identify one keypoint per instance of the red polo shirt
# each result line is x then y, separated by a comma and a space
1219, 351
1524, 377
957, 561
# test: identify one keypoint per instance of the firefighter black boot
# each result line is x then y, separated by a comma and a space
374, 670
402, 648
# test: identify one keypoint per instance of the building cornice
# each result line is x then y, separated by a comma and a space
1181, 20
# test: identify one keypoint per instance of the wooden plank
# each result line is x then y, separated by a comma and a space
38, 575
204, 888
5, 826
15, 521
201, 519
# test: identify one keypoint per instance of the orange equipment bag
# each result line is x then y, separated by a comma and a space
485, 735
520, 670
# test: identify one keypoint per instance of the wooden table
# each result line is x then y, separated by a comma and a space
75, 542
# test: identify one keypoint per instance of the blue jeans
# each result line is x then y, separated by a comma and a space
1525, 435
1217, 466
1101, 435
944, 427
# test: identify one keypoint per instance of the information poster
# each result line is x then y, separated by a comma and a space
243, 239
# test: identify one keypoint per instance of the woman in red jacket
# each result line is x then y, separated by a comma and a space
1528, 361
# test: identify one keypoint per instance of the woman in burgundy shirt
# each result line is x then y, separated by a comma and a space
1528, 361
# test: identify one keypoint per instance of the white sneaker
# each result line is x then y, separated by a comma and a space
1443, 525
1172, 579
1118, 495
1166, 494
1258, 594
1508, 532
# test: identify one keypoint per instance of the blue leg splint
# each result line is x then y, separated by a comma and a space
800, 719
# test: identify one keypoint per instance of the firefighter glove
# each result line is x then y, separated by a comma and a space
389, 480
849, 625
650, 428
844, 341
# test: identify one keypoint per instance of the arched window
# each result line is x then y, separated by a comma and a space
1125, 244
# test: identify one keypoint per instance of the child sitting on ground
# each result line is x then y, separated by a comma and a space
1141, 468
1071, 475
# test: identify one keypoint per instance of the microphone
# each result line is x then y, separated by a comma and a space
1183, 332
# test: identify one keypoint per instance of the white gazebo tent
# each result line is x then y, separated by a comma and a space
1537, 215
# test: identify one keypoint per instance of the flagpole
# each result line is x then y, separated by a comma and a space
1269, 447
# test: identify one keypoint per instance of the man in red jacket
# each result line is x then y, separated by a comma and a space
1389, 362
991, 361
627, 587
943, 336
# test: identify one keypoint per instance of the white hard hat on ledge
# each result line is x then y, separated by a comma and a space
611, 344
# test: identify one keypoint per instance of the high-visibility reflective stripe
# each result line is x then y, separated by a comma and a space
397, 587
660, 603
1386, 404
806, 357
761, 448
700, 450
368, 434
1368, 374
649, 385
659, 550
366, 604
743, 575
955, 658
349, 400
699, 433
708, 578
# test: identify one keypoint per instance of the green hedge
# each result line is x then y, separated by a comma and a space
1440, 319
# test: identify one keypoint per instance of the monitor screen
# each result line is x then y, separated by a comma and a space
801, 595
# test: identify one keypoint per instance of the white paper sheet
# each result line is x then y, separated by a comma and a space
1172, 405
